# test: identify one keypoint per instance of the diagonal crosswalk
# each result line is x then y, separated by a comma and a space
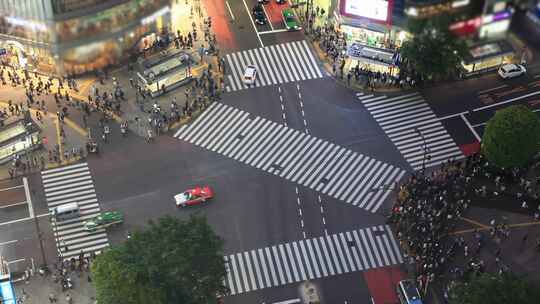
413, 127
74, 184
314, 258
280, 63
296, 156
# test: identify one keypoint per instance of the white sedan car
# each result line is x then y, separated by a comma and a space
250, 75
511, 70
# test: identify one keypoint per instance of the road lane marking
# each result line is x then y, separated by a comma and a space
471, 128
28, 197
13, 205
253, 23
273, 31
14, 187
492, 89
230, 10
452, 115
292, 301
507, 101
537, 76
479, 125
267, 18
16, 261
8, 242
22, 220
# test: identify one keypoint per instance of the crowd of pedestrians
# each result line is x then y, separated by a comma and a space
334, 44
428, 208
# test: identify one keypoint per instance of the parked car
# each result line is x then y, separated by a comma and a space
511, 70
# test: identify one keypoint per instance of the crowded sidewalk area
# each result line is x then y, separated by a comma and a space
468, 218
78, 115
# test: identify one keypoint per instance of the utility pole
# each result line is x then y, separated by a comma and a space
36, 221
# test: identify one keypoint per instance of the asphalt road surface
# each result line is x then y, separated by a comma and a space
303, 169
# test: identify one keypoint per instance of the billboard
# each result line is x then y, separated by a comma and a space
379, 11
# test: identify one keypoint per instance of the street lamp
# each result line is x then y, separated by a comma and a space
426, 150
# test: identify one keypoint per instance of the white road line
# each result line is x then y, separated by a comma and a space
273, 31
28, 197
268, 19
507, 101
480, 124
452, 115
230, 10
8, 242
471, 128
492, 89
253, 23
536, 76
292, 301
14, 187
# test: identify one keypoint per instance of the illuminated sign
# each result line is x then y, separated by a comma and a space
28, 24
376, 10
155, 15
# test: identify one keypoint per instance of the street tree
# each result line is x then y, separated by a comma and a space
494, 289
170, 261
511, 137
433, 52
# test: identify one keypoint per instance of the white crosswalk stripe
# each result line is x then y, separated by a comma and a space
302, 260
281, 63
296, 156
413, 127
69, 184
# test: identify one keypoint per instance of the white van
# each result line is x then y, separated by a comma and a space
66, 211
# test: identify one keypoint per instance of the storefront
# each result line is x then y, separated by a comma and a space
117, 47
487, 57
17, 137
85, 43
369, 22
370, 36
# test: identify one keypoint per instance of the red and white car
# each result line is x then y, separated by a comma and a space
194, 196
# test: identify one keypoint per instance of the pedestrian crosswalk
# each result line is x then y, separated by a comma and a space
296, 156
280, 63
69, 184
413, 127
314, 258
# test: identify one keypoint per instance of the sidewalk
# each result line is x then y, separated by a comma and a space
72, 137
38, 288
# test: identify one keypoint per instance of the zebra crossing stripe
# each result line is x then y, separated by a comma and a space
410, 123
69, 184
276, 64
290, 154
307, 259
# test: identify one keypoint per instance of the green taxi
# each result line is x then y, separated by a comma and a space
104, 220
291, 23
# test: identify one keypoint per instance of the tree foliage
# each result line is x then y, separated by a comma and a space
495, 289
433, 52
511, 137
171, 261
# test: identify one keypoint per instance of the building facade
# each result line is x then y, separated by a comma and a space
375, 29
77, 36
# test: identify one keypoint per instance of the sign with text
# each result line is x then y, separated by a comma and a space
377, 10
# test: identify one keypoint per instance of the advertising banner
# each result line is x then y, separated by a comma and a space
379, 11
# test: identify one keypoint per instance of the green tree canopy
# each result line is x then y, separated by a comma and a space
495, 289
433, 52
511, 137
171, 261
